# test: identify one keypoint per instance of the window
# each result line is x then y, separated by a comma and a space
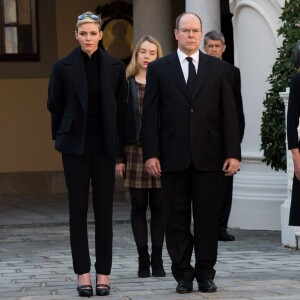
18, 35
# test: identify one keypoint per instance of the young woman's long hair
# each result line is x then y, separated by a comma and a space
133, 67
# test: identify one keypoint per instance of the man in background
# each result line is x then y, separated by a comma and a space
214, 45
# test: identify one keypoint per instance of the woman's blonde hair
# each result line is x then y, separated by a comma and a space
133, 67
88, 17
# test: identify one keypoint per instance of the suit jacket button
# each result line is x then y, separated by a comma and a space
192, 110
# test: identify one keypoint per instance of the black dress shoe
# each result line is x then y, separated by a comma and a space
184, 286
225, 236
207, 286
85, 291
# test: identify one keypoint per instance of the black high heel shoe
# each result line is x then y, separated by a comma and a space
102, 289
85, 290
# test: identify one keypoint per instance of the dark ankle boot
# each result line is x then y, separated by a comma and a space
157, 262
144, 262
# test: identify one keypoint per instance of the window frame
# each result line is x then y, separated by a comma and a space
22, 69
20, 56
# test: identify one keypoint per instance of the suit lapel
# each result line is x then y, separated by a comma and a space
76, 73
105, 66
176, 71
202, 73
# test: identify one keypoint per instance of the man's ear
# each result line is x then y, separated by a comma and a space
101, 35
176, 34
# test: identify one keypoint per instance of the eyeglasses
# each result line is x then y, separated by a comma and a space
91, 16
186, 31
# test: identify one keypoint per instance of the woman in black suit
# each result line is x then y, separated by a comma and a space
293, 116
86, 97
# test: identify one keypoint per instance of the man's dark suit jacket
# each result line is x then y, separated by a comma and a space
235, 78
180, 129
68, 103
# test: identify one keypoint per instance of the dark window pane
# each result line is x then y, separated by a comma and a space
1, 41
25, 40
34, 27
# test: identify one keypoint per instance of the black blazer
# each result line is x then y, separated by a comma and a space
132, 116
235, 79
293, 113
180, 129
68, 103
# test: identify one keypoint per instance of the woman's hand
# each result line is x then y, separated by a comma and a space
296, 159
120, 170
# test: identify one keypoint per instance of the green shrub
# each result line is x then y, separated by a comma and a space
273, 118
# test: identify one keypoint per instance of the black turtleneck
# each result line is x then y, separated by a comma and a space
92, 69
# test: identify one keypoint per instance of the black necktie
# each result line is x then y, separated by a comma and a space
192, 75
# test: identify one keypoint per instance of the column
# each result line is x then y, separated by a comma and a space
208, 11
155, 18
259, 191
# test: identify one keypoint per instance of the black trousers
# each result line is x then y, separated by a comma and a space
81, 170
294, 219
185, 191
226, 187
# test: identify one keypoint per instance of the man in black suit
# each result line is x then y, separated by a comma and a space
189, 125
214, 45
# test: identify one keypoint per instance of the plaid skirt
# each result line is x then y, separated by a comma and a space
136, 175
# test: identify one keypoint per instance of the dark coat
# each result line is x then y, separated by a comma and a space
68, 103
132, 115
293, 116
235, 79
179, 129
293, 113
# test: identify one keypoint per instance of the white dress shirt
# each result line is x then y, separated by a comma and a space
185, 64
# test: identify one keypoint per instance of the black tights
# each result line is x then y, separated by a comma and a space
139, 204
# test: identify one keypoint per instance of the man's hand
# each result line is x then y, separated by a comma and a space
152, 166
120, 170
231, 166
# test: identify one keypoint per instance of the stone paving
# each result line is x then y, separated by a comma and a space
35, 259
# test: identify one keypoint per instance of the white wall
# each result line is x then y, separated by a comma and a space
258, 190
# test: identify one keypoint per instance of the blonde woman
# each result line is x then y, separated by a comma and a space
87, 90
144, 189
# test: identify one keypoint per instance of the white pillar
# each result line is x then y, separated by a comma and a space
155, 18
258, 190
208, 11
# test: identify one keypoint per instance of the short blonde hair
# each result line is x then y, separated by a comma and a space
133, 67
87, 19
